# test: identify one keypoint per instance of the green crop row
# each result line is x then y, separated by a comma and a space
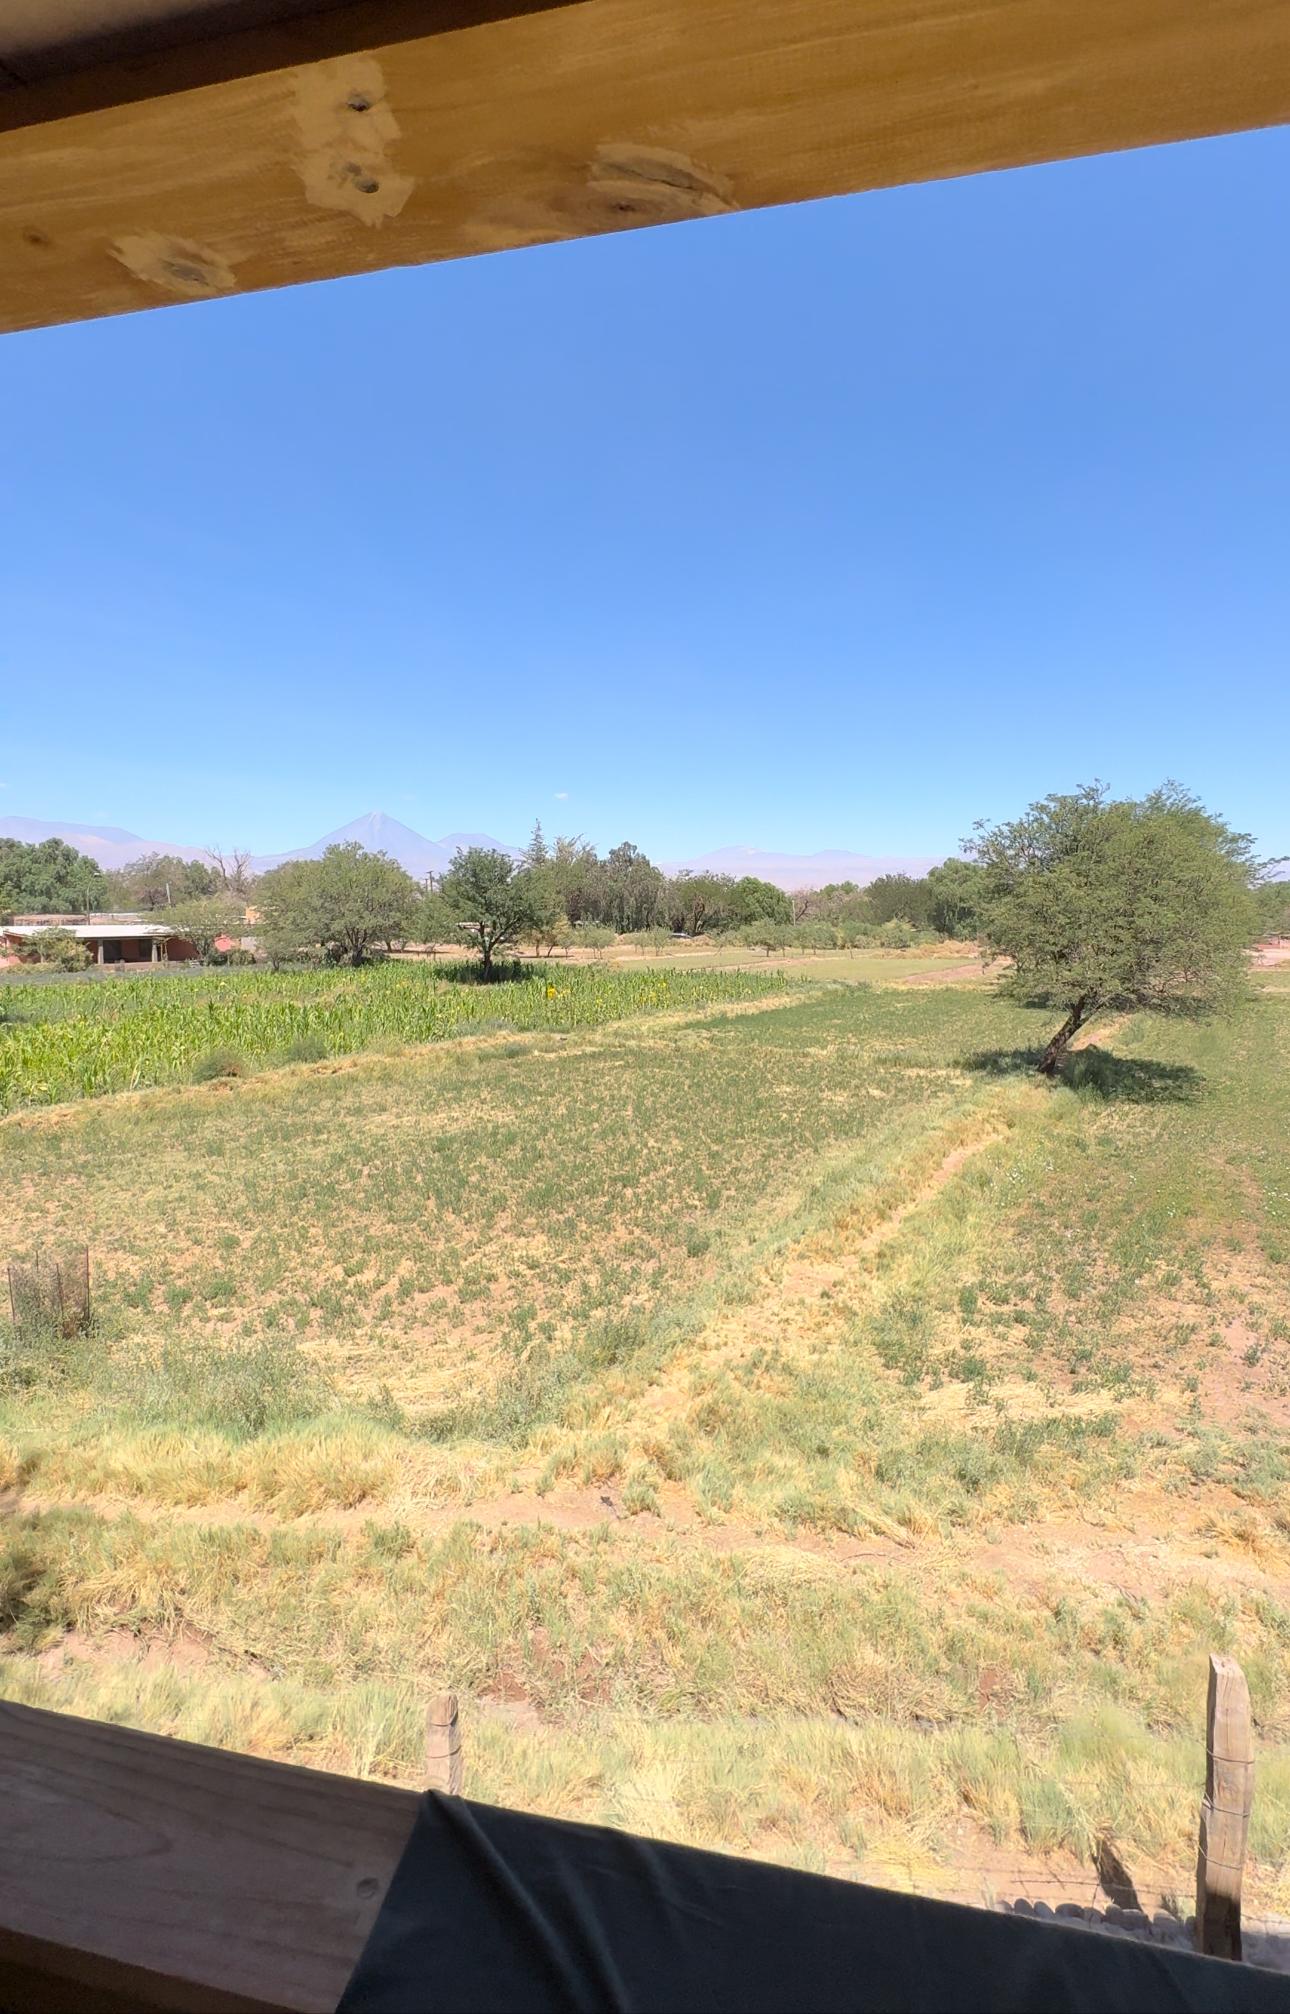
80, 1041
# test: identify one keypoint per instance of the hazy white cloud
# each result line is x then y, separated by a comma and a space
561, 795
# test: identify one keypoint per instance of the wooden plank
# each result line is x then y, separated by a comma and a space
1225, 1810
595, 117
143, 1872
234, 38
443, 1745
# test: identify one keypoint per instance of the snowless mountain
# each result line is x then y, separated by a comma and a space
805, 870
110, 845
378, 832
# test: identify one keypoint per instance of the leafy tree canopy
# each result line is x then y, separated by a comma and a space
47, 878
1112, 904
1272, 898
493, 899
346, 905
954, 897
205, 919
157, 880
58, 951
899, 895
753, 901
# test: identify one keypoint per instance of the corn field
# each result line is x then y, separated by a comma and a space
81, 1041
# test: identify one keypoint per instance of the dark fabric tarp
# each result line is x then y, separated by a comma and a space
500, 1912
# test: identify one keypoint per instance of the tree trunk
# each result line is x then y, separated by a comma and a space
1057, 1048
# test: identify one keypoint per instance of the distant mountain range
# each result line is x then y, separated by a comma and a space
113, 847
806, 870
380, 833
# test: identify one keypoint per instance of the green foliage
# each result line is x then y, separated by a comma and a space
158, 880
239, 1389
342, 907
82, 1041
1272, 907
206, 918
219, 1063
47, 879
58, 951
766, 934
697, 903
495, 900
1105, 903
899, 895
954, 890
633, 889
754, 901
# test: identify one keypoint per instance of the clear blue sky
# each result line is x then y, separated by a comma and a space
833, 526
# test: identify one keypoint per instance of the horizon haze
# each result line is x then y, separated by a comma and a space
113, 846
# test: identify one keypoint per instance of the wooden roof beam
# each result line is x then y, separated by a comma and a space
574, 119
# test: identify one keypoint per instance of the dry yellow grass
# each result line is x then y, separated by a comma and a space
795, 1431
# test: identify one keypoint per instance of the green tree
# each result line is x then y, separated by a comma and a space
1272, 900
347, 905
1108, 904
954, 890
893, 896
492, 898
766, 933
205, 919
698, 903
432, 921
633, 889
754, 901
579, 880
157, 880
550, 926
47, 878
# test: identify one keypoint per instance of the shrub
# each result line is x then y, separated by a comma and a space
238, 1389
307, 1049
219, 1063
58, 951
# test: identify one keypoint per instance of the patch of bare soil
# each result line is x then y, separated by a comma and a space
949, 975
187, 1651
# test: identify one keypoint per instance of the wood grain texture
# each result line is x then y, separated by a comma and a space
596, 117
144, 1872
155, 50
444, 1771
1225, 1810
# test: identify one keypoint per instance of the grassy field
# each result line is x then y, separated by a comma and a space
791, 1425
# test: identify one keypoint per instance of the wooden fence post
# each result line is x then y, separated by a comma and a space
1225, 1811
443, 1745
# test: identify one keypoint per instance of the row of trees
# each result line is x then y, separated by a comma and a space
351, 903
1098, 904
50, 877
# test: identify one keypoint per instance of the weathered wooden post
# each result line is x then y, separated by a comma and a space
1225, 1810
443, 1745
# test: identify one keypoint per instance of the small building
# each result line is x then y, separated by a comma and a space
109, 939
